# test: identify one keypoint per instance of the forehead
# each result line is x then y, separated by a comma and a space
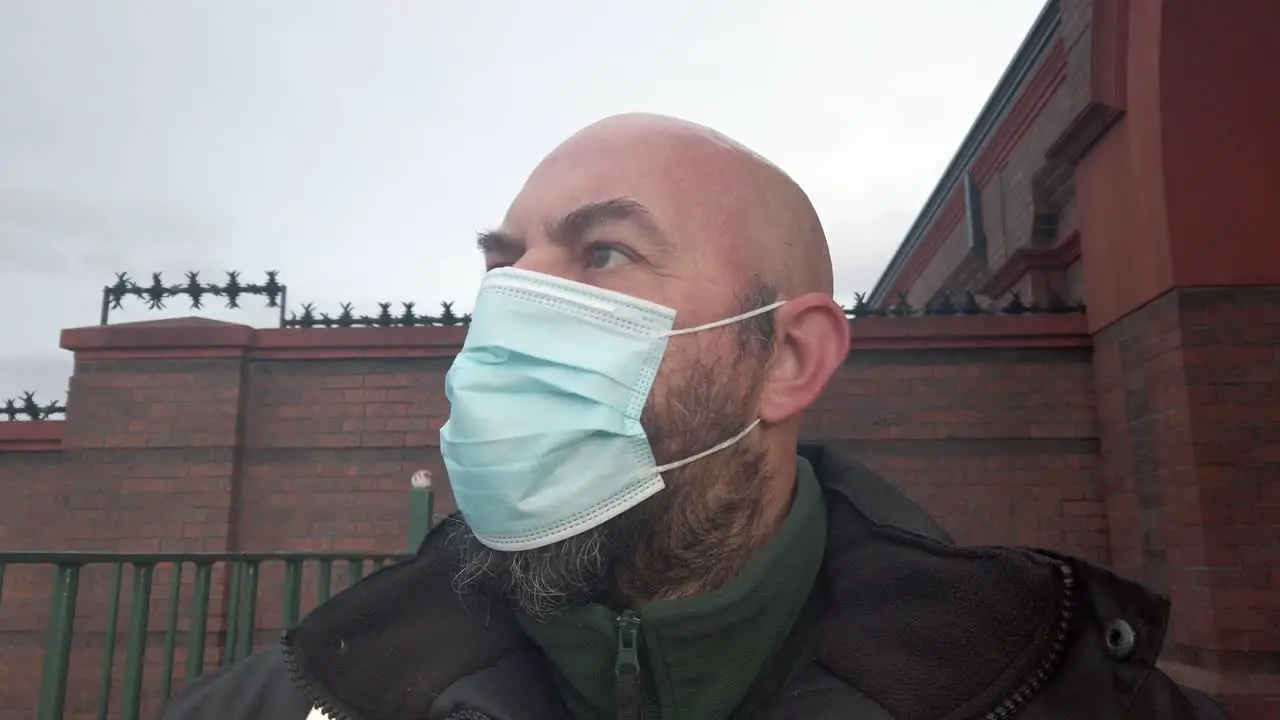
576, 176
695, 191
689, 182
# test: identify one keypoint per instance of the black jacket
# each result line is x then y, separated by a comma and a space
910, 627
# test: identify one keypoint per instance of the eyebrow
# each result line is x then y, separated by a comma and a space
573, 227
496, 242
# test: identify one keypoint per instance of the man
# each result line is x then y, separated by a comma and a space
639, 536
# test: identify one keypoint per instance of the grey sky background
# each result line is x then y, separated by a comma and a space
357, 146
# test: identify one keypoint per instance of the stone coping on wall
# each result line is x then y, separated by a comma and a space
958, 332
31, 436
203, 338
194, 338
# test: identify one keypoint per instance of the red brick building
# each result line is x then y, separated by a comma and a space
1124, 161
1130, 159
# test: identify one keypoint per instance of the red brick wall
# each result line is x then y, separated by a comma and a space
213, 437
1000, 444
328, 449
1189, 413
304, 440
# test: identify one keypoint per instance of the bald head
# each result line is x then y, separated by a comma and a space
745, 218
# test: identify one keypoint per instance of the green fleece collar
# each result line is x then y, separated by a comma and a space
701, 658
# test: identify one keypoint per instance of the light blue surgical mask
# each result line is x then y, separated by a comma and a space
543, 440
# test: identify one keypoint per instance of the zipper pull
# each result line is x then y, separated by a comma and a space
626, 667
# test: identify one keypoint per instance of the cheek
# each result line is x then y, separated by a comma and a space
705, 359
674, 366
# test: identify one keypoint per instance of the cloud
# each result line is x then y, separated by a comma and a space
44, 373
53, 233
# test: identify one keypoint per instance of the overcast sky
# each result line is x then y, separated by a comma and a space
357, 146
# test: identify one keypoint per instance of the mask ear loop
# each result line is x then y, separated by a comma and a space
694, 458
727, 321
745, 431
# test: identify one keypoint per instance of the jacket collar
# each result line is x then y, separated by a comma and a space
905, 604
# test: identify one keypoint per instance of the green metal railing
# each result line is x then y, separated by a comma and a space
230, 584
238, 574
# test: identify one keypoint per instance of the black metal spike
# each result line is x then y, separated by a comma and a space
1015, 305
156, 292
1054, 304
860, 307
384, 315
118, 290
232, 290
346, 318
901, 308
447, 316
408, 318
273, 289
25, 407
941, 305
194, 290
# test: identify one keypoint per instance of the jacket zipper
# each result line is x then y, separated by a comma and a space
1012, 704
626, 668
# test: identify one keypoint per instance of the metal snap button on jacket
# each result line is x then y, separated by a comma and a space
1120, 638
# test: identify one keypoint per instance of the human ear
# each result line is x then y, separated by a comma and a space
811, 342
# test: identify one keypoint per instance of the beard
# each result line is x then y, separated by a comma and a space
691, 538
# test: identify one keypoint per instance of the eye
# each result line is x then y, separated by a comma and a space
603, 256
